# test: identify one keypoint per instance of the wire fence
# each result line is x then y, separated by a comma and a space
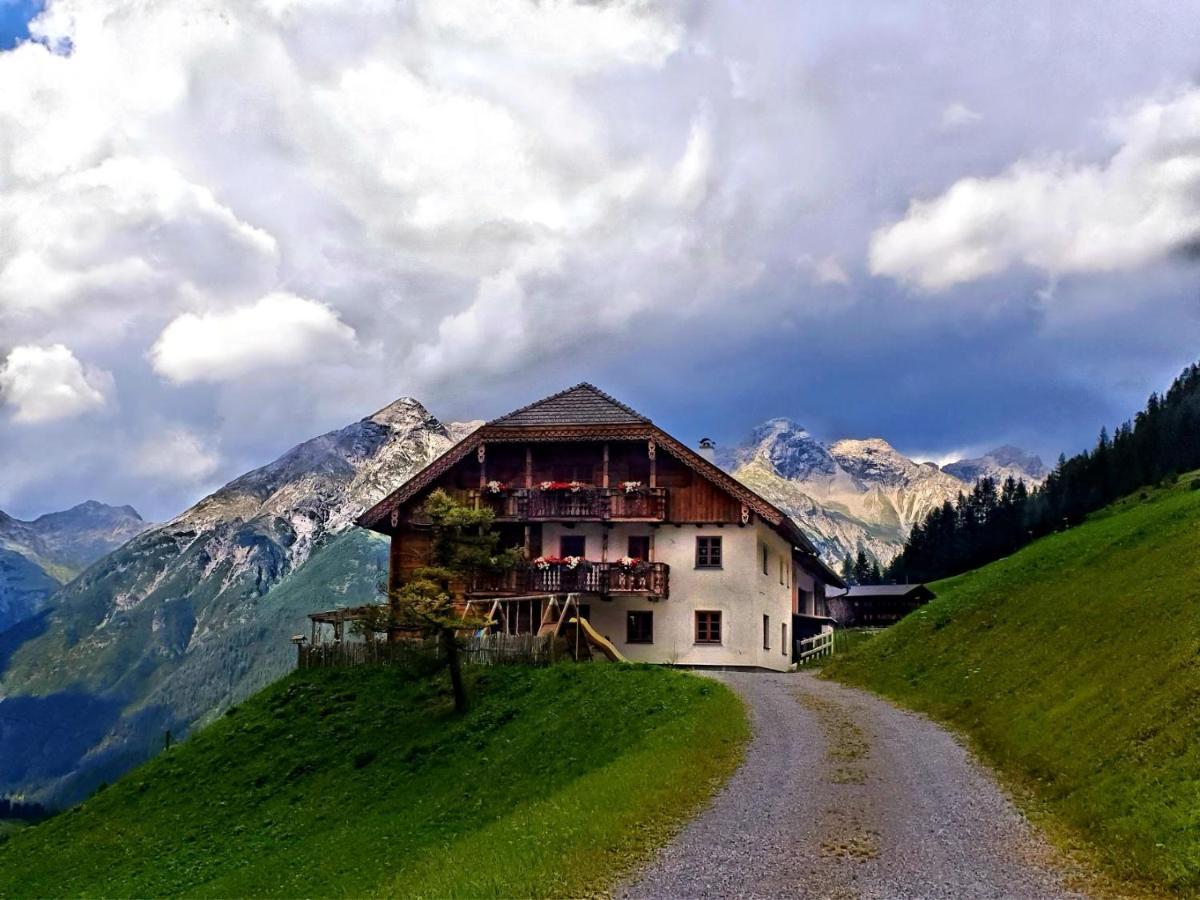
476, 650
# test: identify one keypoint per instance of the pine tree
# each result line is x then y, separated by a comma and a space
1161, 441
862, 568
848, 569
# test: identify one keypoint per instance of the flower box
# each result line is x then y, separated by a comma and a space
573, 486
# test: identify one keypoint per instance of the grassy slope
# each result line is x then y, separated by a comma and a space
362, 782
1075, 665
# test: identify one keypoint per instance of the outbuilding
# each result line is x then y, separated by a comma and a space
876, 604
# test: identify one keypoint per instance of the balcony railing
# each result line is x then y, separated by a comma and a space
603, 578
584, 504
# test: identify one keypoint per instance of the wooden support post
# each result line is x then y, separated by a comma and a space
394, 550
528, 468
394, 578
650, 450
604, 476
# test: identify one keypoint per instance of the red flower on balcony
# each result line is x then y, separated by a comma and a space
570, 562
572, 486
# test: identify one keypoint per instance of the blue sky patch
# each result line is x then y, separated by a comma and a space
15, 16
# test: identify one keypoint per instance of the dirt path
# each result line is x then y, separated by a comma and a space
843, 795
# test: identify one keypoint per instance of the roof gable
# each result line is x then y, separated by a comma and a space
569, 414
583, 404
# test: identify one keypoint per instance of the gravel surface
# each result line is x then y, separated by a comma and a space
842, 795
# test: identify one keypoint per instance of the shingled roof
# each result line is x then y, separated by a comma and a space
583, 404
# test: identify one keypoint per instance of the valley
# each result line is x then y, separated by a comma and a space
192, 615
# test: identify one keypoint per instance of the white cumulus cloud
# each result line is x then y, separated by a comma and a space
279, 330
1058, 215
176, 453
958, 114
42, 384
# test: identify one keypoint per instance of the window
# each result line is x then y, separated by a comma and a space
708, 553
572, 545
639, 546
766, 632
765, 556
781, 570
708, 627
783, 639
639, 628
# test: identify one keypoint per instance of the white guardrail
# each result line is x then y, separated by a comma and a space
814, 647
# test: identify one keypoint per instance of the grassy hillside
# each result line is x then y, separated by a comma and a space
361, 782
1075, 665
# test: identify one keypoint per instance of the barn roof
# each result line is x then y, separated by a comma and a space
866, 591
583, 404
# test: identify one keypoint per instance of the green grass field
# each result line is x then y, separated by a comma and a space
360, 782
1074, 665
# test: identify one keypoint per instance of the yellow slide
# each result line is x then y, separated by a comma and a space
598, 640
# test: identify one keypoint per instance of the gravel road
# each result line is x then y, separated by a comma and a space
842, 795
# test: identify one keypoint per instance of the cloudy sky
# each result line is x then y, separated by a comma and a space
228, 225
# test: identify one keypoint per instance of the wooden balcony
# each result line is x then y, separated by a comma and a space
587, 504
602, 578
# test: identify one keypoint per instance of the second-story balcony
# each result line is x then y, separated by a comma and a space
559, 577
576, 503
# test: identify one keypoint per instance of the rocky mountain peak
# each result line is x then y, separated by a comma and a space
873, 461
403, 413
786, 448
857, 493
1000, 463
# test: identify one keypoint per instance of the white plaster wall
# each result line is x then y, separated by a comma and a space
739, 590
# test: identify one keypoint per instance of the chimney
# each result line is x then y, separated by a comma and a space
708, 450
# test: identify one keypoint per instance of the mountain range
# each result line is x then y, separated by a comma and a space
39, 557
188, 617
859, 494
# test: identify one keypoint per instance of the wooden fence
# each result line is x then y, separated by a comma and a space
477, 650
808, 649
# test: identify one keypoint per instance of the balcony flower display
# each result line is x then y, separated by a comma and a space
496, 487
632, 487
573, 486
546, 562
629, 563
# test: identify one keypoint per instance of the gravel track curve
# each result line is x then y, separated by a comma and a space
842, 795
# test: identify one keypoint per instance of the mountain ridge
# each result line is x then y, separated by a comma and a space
195, 613
858, 493
38, 556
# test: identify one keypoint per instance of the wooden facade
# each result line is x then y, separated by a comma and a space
575, 459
